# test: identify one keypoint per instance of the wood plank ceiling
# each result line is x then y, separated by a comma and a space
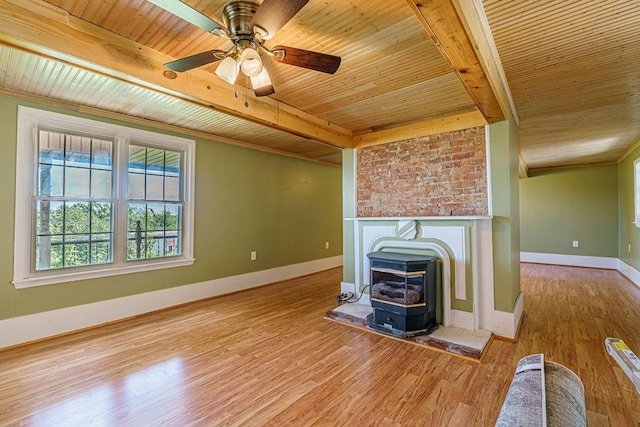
574, 72
407, 69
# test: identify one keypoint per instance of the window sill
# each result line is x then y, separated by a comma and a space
40, 280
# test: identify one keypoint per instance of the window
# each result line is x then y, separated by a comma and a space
154, 210
74, 208
95, 199
636, 191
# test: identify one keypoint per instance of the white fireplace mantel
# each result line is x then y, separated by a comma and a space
422, 218
465, 246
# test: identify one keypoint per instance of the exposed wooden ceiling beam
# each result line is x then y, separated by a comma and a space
415, 130
157, 125
442, 22
43, 28
523, 169
476, 23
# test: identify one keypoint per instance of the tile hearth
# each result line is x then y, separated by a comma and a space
458, 341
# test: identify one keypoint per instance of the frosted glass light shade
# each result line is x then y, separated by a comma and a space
262, 84
250, 62
228, 70
261, 80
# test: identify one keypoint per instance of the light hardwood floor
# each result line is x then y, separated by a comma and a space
266, 357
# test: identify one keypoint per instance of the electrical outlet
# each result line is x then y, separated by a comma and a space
575, 243
326, 245
254, 255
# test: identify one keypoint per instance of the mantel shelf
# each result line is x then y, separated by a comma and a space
420, 218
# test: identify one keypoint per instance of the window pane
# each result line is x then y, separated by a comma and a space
48, 252
149, 224
77, 151
172, 243
135, 246
65, 241
159, 171
76, 251
50, 179
172, 163
136, 186
101, 217
155, 161
155, 216
76, 218
101, 154
76, 182
172, 188
43, 217
172, 217
56, 220
136, 216
137, 159
43, 252
154, 187
101, 184
100, 253
155, 244
51, 148
100, 248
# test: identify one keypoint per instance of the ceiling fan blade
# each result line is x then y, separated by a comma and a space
273, 14
192, 16
307, 59
194, 61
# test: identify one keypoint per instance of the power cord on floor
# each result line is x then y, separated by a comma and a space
348, 297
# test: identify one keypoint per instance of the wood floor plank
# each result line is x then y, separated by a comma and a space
267, 357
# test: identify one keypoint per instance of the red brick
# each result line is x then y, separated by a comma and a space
437, 175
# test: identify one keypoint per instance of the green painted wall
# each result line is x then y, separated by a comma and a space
563, 205
348, 211
628, 233
246, 200
503, 140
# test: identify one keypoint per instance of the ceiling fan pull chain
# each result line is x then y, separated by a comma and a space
246, 90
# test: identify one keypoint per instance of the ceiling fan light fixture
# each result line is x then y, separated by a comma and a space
247, 24
261, 84
250, 62
228, 70
261, 80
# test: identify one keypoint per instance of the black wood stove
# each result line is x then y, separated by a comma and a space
403, 293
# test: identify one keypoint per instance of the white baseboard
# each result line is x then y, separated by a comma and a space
505, 324
608, 263
584, 261
32, 327
629, 272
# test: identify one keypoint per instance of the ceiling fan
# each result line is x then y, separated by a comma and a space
248, 24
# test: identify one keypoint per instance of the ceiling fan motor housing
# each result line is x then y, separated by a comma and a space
237, 16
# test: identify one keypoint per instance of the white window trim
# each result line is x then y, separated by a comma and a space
28, 121
636, 189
